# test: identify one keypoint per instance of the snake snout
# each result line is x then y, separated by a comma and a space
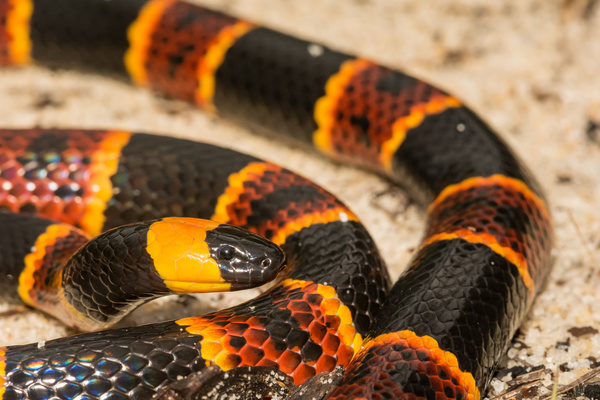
261, 263
245, 259
266, 267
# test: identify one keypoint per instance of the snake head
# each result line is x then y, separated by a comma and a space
244, 258
194, 256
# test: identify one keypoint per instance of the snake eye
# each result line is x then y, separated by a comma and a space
227, 252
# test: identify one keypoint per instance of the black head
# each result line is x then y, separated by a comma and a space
245, 259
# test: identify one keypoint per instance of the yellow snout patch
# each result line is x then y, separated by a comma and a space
182, 257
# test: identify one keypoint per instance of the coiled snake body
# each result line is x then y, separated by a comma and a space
437, 333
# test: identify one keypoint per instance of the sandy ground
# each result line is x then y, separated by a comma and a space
528, 67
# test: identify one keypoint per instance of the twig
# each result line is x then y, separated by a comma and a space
14, 311
514, 394
521, 383
570, 386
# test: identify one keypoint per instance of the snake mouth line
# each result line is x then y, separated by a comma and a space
194, 287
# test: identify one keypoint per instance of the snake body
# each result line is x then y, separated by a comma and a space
441, 329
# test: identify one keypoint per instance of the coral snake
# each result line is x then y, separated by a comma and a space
438, 333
